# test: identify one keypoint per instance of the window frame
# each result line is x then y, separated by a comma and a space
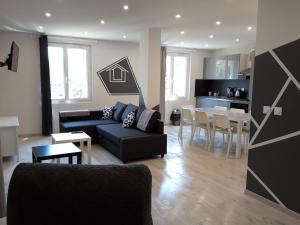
65, 47
188, 71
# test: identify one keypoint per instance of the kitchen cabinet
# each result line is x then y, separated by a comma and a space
225, 67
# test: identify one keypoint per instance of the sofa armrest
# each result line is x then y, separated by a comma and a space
78, 115
159, 127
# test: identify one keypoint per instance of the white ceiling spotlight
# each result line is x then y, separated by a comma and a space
86, 32
125, 7
177, 16
250, 28
237, 40
124, 36
211, 36
40, 28
48, 15
102, 21
182, 42
206, 45
218, 22
182, 32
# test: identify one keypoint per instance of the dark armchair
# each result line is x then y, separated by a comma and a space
51, 194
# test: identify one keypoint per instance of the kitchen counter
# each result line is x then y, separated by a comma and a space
228, 99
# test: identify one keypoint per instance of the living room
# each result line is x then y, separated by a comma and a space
109, 70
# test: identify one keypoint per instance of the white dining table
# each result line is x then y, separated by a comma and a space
239, 118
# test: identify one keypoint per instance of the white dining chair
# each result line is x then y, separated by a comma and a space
202, 122
186, 117
222, 125
221, 108
245, 130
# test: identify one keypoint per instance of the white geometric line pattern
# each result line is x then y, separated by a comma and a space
294, 134
281, 92
285, 69
254, 122
259, 127
266, 187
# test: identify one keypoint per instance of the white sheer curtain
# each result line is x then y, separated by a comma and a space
162, 82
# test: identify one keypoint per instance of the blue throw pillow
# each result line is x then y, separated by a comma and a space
129, 121
107, 113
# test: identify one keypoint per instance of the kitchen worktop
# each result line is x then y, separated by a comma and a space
228, 99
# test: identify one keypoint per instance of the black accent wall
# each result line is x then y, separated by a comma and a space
274, 155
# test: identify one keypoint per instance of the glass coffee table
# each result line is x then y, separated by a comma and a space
73, 137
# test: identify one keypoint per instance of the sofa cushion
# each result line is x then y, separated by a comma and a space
148, 120
107, 113
115, 132
118, 111
130, 120
130, 108
86, 123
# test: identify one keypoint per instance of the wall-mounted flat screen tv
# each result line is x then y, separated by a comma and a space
12, 59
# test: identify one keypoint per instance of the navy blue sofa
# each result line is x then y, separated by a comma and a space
125, 143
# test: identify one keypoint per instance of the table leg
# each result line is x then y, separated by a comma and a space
89, 151
239, 139
70, 159
79, 158
33, 158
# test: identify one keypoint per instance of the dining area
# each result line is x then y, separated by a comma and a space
231, 125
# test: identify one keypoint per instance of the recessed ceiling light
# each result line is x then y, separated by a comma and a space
124, 36
182, 32
182, 42
250, 28
218, 23
40, 27
237, 40
102, 22
86, 32
125, 7
206, 45
211, 36
178, 16
47, 14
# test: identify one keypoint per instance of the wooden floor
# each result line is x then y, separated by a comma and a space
191, 186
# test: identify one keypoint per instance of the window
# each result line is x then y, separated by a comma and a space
69, 72
177, 76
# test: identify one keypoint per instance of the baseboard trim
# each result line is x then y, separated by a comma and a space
272, 204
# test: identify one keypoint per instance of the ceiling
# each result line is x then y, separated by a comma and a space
81, 18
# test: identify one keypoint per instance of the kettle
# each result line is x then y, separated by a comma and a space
237, 93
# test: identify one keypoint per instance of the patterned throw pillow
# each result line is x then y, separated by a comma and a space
130, 119
107, 113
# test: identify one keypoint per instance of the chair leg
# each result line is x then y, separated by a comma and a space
193, 130
212, 141
229, 144
207, 138
223, 139
246, 143
180, 132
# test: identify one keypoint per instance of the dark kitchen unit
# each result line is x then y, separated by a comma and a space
232, 93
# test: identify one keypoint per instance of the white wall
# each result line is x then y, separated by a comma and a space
238, 49
20, 91
196, 72
278, 23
